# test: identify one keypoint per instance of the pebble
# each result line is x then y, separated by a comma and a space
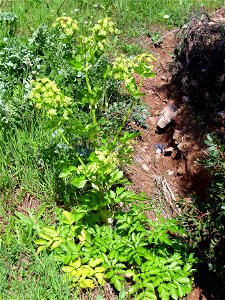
170, 172
185, 99
158, 152
169, 151
145, 168
164, 78
153, 120
221, 114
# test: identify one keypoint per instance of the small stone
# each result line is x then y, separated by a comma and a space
164, 78
177, 136
153, 120
157, 113
181, 170
170, 172
158, 151
145, 168
168, 113
221, 114
160, 146
185, 99
169, 151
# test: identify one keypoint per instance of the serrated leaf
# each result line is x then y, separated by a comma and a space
100, 278
133, 289
40, 242
50, 231
187, 267
45, 236
157, 282
40, 249
183, 279
76, 264
87, 283
174, 293
78, 182
149, 286
94, 262
116, 280
68, 216
99, 269
164, 295
56, 244
181, 293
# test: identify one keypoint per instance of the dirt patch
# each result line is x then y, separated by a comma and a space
182, 141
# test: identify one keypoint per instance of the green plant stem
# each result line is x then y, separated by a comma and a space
67, 142
128, 111
90, 92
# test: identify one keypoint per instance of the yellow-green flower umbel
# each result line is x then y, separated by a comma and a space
66, 25
48, 96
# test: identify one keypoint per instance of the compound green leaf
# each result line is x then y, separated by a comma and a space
87, 283
78, 182
40, 249
50, 231
40, 242
100, 278
116, 280
174, 293
94, 262
133, 289
183, 279
56, 244
68, 216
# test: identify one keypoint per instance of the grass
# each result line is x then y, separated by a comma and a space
21, 163
133, 17
22, 273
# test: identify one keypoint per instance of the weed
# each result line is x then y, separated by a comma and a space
205, 222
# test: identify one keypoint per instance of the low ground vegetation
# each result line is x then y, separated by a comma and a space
65, 107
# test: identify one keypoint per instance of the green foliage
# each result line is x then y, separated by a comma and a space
141, 255
8, 22
22, 272
133, 16
205, 222
58, 89
81, 275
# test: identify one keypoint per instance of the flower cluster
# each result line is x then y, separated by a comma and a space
67, 25
104, 27
100, 33
124, 68
47, 95
102, 161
